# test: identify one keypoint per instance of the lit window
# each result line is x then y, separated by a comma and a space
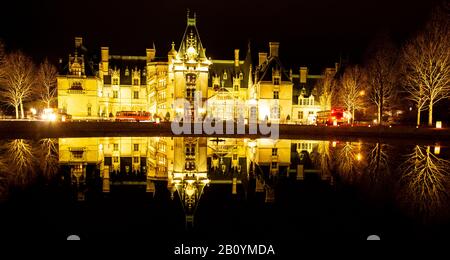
276, 81
135, 159
136, 147
116, 147
116, 159
89, 111
274, 165
236, 87
274, 151
235, 157
115, 94
115, 81
136, 82
136, 94
276, 95
300, 114
77, 154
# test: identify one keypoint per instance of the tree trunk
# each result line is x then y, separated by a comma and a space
379, 114
348, 110
353, 115
430, 113
17, 111
22, 114
418, 117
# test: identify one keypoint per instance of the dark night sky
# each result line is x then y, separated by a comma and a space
313, 33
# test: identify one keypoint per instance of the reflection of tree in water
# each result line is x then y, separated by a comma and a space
19, 154
322, 158
348, 161
425, 182
21, 161
47, 153
378, 163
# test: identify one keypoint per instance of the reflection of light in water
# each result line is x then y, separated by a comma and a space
190, 190
358, 156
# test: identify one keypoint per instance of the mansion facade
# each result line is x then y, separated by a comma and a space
99, 89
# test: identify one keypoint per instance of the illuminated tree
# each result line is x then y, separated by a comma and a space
2, 57
352, 85
425, 180
325, 89
426, 60
382, 74
17, 80
46, 83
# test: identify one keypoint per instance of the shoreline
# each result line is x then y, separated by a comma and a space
42, 129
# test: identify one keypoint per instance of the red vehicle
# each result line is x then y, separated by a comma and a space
133, 116
336, 116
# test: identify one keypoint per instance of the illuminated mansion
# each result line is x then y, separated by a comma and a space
100, 89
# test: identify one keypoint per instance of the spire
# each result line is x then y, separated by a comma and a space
191, 46
191, 21
248, 57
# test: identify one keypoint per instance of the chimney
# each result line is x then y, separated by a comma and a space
78, 42
274, 46
262, 57
236, 57
105, 60
150, 54
303, 74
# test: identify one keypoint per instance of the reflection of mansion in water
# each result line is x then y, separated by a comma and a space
186, 164
89, 88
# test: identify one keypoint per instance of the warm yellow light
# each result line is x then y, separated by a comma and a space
362, 93
358, 157
334, 143
437, 149
335, 123
33, 111
52, 117
438, 124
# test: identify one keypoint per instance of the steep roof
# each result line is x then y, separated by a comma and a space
264, 71
126, 65
191, 41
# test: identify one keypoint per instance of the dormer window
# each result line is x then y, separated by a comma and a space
225, 76
136, 82
115, 81
236, 87
127, 72
276, 81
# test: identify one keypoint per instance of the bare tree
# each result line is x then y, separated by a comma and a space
427, 65
17, 81
46, 80
351, 91
382, 74
2, 57
325, 90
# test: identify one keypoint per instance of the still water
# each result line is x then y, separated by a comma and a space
180, 189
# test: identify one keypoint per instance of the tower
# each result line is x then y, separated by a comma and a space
189, 69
